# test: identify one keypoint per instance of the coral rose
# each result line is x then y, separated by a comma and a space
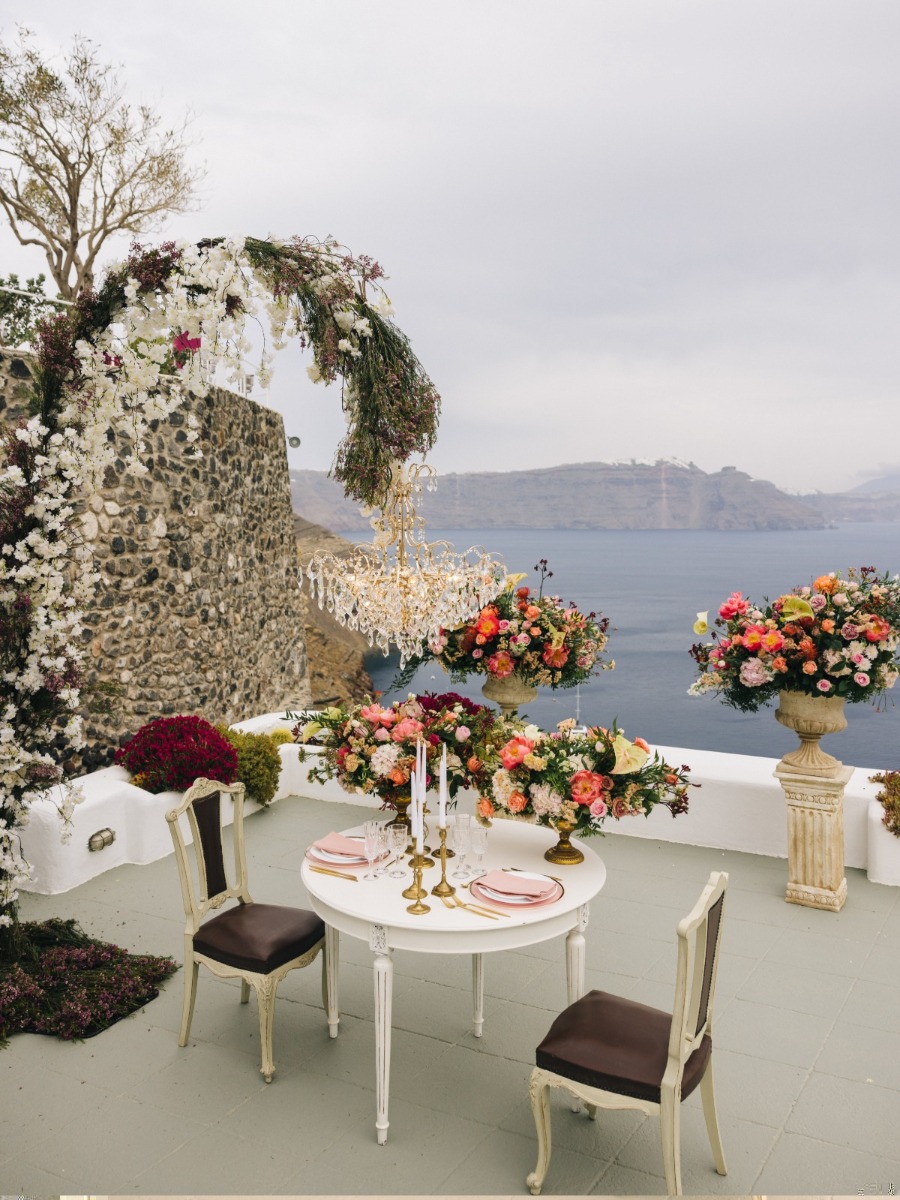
826, 584
516, 802
584, 787
515, 751
484, 807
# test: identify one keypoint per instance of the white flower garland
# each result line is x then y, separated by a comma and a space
209, 296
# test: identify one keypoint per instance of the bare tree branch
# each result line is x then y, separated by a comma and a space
78, 164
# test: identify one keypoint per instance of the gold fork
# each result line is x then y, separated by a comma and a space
481, 908
479, 912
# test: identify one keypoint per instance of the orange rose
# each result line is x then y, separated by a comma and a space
809, 668
485, 808
516, 802
398, 776
532, 612
827, 584
779, 664
474, 764
828, 625
643, 745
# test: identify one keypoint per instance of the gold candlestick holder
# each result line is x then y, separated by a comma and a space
422, 861
443, 888
416, 892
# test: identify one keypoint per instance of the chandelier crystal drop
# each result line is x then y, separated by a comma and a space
402, 590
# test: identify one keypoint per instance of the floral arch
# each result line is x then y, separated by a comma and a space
167, 315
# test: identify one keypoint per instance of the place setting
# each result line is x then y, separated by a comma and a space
512, 888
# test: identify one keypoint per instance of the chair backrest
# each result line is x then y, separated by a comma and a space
203, 803
699, 934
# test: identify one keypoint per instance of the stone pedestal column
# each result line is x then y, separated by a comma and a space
815, 837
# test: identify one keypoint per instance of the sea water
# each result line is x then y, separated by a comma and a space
651, 584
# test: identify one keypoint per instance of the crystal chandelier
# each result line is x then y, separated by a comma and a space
402, 590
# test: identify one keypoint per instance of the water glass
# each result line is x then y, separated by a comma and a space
399, 838
479, 839
372, 832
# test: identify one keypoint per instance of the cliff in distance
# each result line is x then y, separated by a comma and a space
660, 495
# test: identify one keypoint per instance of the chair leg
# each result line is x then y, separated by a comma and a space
191, 971
245, 991
670, 1132
707, 1095
540, 1108
265, 999
330, 965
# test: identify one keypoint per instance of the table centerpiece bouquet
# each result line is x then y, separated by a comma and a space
371, 749
837, 637
575, 779
538, 640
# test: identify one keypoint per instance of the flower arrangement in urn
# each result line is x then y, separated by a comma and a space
371, 749
547, 642
837, 637
576, 778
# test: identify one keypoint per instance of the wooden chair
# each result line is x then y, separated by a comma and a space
257, 943
614, 1053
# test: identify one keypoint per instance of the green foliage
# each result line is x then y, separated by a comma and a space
19, 314
281, 736
890, 799
259, 763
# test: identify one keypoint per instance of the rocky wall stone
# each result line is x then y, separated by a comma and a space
198, 608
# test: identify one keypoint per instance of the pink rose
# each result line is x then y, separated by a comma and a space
734, 606
381, 734
861, 678
463, 732
407, 728
823, 685
598, 808
477, 653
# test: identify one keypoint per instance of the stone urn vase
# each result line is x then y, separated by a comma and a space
508, 692
813, 783
811, 717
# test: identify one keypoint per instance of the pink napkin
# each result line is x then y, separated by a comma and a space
336, 843
516, 885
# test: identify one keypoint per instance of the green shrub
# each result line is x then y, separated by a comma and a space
258, 765
890, 799
281, 737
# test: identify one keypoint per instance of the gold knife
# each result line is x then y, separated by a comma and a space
339, 874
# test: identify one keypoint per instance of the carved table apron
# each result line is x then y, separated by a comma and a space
375, 911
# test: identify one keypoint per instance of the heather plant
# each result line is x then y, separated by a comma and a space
168, 754
258, 762
72, 986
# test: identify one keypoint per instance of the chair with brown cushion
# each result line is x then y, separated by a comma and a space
257, 943
615, 1053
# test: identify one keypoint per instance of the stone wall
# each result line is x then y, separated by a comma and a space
198, 609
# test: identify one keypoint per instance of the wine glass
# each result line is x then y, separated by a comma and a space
479, 841
372, 832
399, 838
462, 840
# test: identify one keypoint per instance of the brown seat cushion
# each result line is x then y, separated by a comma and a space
617, 1045
259, 937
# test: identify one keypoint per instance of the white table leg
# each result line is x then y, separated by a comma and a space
575, 966
575, 955
478, 993
332, 959
384, 986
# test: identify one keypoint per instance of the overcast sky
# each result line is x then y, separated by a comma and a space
613, 229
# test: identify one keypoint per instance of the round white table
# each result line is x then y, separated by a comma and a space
376, 912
